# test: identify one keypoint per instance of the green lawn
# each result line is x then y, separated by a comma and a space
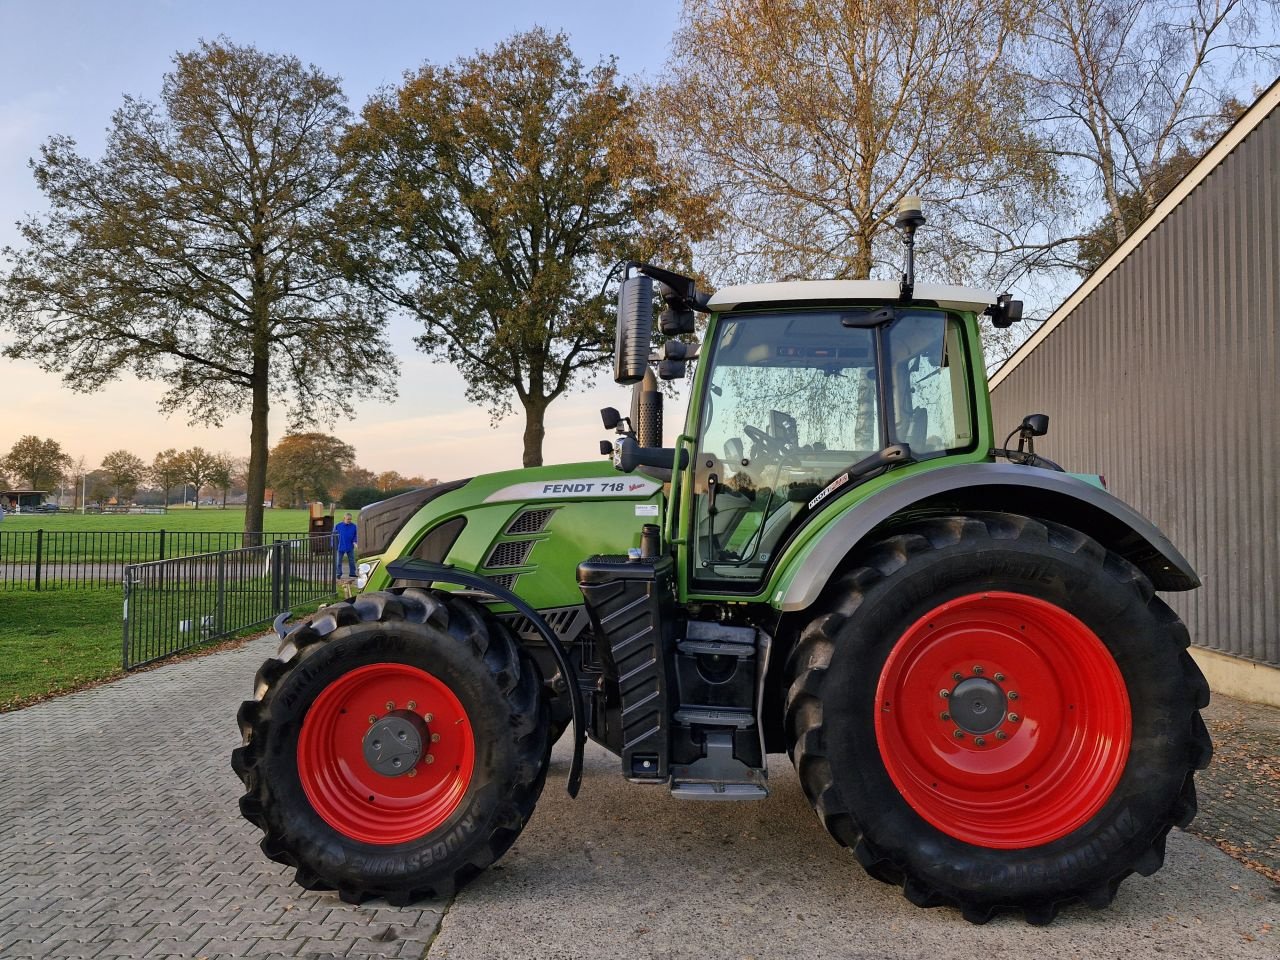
50, 642
57, 641
178, 518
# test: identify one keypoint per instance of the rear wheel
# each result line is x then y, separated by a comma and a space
996, 713
395, 747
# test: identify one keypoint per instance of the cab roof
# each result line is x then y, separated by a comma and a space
797, 291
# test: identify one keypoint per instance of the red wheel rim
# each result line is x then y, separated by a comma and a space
1063, 732
348, 793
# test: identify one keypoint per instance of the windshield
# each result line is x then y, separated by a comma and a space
794, 399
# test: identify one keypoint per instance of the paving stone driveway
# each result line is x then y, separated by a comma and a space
119, 836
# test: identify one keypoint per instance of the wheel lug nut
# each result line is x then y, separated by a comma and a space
977, 669
401, 735
395, 762
428, 759
413, 772
1013, 694
957, 676
959, 734
999, 678
391, 704
1001, 735
373, 718
413, 704
980, 741
429, 717
944, 694
435, 738
1013, 718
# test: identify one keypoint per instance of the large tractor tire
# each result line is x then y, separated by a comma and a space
394, 747
997, 714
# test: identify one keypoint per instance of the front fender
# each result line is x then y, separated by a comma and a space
1013, 488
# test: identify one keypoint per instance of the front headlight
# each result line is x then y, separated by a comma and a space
364, 572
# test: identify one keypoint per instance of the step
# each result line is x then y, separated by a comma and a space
721, 648
716, 717
719, 775
707, 790
710, 630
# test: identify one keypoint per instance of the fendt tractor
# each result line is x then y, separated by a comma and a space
958, 643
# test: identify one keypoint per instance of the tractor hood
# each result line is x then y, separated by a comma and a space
530, 527
380, 522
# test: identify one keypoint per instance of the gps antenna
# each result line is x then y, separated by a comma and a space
908, 221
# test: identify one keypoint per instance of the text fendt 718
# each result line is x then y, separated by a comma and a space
959, 645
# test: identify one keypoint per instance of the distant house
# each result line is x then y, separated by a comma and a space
25, 501
1162, 372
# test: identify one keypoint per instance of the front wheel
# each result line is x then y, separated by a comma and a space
996, 713
395, 747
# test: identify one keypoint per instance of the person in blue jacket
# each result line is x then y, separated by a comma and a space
344, 539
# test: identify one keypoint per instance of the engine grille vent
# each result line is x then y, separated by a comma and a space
506, 580
560, 621
530, 521
511, 553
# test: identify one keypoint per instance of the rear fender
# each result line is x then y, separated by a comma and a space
1012, 488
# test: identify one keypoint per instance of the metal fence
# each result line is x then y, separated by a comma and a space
71, 559
172, 605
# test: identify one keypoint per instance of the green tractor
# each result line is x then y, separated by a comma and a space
959, 645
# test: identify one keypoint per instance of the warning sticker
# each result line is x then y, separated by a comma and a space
646, 509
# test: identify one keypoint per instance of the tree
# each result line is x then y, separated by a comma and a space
196, 466
309, 466
126, 471
38, 463
507, 185
814, 119
74, 474
221, 473
166, 471
98, 486
1132, 91
358, 477
205, 250
1134, 206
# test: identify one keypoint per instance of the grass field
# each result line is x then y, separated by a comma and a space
61, 640
50, 642
180, 518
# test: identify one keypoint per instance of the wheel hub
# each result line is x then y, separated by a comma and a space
393, 745
1002, 719
977, 705
386, 753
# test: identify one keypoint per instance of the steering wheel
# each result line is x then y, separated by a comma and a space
762, 445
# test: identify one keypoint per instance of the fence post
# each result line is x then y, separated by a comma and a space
128, 582
39, 554
275, 576
286, 573
220, 610
161, 545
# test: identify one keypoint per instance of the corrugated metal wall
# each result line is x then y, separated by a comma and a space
1166, 380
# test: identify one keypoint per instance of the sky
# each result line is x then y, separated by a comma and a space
64, 67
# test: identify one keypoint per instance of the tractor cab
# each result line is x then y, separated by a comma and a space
804, 390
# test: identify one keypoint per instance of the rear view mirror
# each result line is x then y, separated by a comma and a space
635, 330
1035, 425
